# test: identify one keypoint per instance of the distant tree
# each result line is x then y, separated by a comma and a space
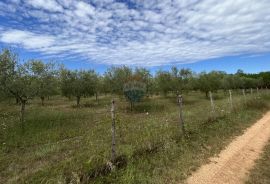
78, 83
116, 77
249, 82
232, 82
240, 73
98, 85
209, 81
45, 76
134, 91
176, 81
187, 79
16, 80
265, 78
144, 76
164, 81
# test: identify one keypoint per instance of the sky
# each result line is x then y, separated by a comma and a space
203, 35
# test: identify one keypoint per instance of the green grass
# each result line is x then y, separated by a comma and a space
62, 143
260, 174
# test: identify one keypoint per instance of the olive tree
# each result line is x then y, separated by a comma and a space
45, 77
78, 83
176, 82
16, 80
143, 75
134, 91
209, 81
116, 77
163, 81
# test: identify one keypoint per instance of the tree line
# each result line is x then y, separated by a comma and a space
35, 78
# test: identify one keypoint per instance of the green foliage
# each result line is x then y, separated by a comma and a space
16, 79
45, 76
209, 81
134, 91
163, 81
144, 76
116, 77
78, 83
232, 82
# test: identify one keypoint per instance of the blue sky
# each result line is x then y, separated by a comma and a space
203, 35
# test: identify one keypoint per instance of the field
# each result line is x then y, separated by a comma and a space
65, 144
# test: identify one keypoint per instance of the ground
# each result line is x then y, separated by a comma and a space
62, 143
260, 174
233, 164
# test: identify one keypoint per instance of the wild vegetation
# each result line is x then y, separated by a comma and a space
67, 142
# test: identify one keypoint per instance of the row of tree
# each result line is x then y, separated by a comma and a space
35, 78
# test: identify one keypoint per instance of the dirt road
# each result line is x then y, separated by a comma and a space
233, 163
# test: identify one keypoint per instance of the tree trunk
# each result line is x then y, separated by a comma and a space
23, 102
206, 94
78, 101
42, 100
17, 101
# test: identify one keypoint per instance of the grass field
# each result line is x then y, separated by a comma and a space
65, 144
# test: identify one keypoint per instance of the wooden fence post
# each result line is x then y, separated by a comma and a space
231, 102
181, 121
113, 131
244, 94
212, 102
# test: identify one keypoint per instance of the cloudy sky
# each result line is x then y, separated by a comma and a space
211, 34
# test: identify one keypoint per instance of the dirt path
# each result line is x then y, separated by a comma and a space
233, 163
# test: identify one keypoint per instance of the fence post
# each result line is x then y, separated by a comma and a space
181, 121
113, 131
231, 102
257, 91
212, 103
251, 91
244, 94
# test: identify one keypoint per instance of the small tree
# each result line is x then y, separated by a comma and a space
134, 91
16, 80
164, 81
176, 81
144, 76
209, 81
45, 77
116, 77
78, 83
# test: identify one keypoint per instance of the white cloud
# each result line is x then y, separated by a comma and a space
26, 39
140, 32
50, 5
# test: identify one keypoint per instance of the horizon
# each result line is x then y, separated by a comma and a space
200, 35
